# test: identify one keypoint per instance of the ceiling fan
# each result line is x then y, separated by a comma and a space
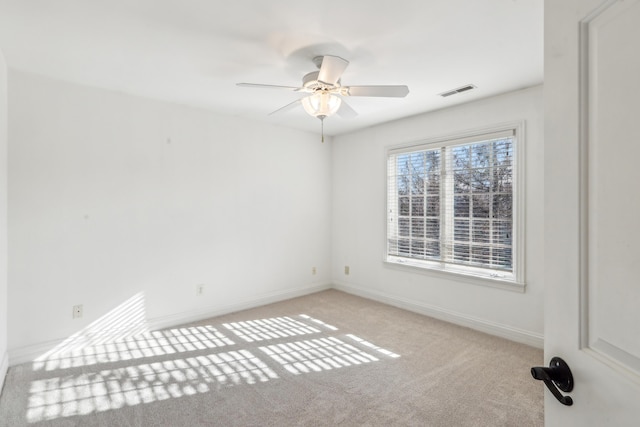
326, 91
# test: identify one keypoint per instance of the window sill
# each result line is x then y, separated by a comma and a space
457, 274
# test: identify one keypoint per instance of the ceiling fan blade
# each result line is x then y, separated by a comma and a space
345, 111
331, 69
289, 106
385, 91
261, 86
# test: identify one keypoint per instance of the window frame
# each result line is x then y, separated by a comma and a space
511, 281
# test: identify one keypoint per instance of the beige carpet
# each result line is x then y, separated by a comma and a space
326, 359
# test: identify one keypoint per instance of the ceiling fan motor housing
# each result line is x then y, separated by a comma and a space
311, 83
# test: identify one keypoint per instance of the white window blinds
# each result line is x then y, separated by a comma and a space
452, 203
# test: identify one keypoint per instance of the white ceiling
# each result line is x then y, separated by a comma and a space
194, 51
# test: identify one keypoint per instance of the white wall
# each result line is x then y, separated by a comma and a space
358, 230
4, 358
111, 195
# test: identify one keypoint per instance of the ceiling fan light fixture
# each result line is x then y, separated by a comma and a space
321, 104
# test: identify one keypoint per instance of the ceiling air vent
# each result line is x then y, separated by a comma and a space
458, 90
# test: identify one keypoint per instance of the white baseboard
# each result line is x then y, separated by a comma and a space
493, 328
31, 352
4, 366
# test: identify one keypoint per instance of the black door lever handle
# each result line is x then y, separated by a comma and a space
556, 376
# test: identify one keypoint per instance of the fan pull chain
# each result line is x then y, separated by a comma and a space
322, 129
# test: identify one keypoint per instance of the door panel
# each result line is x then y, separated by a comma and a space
592, 207
612, 201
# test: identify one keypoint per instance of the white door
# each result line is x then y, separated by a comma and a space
592, 208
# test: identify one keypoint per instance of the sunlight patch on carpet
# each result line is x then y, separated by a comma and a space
202, 367
103, 390
150, 344
316, 355
273, 328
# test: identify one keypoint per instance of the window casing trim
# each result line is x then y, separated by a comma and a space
515, 280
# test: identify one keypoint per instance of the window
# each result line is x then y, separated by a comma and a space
452, 205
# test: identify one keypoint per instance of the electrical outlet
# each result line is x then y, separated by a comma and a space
76, 311
199, 290
346, 270
313, 271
